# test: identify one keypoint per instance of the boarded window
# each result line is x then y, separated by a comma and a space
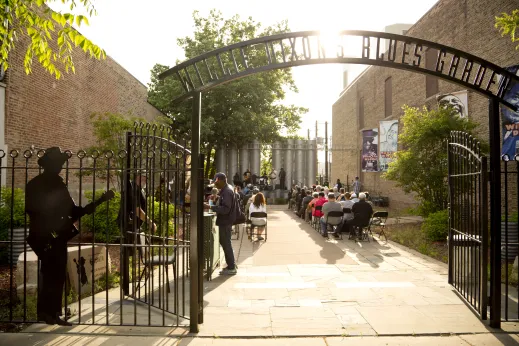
431, 82
388, 98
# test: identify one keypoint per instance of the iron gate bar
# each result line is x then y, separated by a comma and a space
495, 211
196, 208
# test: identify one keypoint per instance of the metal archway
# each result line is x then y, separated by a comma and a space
239, 60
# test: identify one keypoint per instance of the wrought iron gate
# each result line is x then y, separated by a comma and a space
120, 271
468, 220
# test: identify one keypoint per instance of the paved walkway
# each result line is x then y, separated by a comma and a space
325, 292
298, 283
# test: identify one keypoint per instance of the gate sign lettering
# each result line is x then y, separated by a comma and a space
353, 47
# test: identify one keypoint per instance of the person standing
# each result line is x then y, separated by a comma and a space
339, 184
50, 208
282, 177
225, 217
357, 186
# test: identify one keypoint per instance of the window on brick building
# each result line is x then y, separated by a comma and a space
361, 112
388, 97
431, 82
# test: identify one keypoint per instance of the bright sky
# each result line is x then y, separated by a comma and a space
139, 34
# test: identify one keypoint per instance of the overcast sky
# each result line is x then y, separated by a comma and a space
139, 34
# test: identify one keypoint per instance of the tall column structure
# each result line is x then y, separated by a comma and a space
255, 157
232, 162
289, 162
311, 162
221, 159
300, 162
244, 159
277, 152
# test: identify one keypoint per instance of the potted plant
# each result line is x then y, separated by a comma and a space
12, 216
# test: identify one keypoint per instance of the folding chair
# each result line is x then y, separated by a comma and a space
334, 224
149, 262
346, 211
379, 219
253, 223
315, 220
362, 231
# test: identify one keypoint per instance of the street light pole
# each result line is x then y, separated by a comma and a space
326, 152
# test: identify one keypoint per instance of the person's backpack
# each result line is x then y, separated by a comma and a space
238, 210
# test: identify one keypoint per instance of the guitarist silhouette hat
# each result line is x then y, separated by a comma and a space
53, 157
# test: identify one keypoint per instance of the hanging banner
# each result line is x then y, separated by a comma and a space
370, 150
510, 119
388, 143
458, 100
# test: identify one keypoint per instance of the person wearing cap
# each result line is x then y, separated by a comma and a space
225, 218
354, 197
49, 206
329, 206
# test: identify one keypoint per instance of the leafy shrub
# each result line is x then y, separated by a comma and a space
103, 225
18, 221
162, 214
436, 225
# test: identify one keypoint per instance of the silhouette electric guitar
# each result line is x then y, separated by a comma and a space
67, 229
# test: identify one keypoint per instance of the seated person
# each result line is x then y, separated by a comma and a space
311, 205
304, 204
329, 206
347, 203
319, 203
258, 205
362, 212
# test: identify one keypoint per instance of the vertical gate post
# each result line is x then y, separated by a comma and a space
495, 213
196, 208
484, 238
451, 212
125, 268
201, 241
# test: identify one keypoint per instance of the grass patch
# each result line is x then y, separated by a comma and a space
412, 236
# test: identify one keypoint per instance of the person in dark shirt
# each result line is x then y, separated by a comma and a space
51, 211
362, 212
307, 197
225, 217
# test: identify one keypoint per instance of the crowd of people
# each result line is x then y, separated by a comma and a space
315, 205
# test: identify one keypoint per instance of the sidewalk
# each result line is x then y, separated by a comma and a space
301, 289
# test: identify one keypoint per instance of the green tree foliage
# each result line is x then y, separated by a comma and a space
421, 163
508, 24
43, 26
110, 137
10, 201
235, 112
436, 225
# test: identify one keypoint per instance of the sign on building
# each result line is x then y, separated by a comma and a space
510, 118
370, 150
457, 100
388, 143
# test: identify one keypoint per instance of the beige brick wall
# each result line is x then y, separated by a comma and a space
465, 25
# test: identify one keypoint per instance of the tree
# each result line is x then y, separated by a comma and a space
421, 166
237, 112
508, 24
43, 26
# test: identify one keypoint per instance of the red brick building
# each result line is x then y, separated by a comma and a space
379, 93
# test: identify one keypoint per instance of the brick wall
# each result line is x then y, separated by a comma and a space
466, 25
43, 111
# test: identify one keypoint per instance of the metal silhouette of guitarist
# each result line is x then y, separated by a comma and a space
52, 214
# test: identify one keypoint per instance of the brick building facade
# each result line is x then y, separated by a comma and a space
466, 25
40, 111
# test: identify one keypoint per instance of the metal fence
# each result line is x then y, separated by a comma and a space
120, 272
468, 220
509, 236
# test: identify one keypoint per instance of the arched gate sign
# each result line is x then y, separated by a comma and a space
285, 50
